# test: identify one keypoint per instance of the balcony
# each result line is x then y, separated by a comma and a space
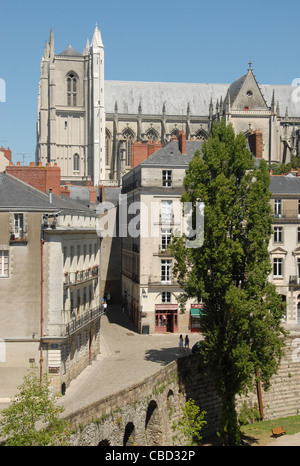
81, 276
287, 214
155, 281
18, 238
294, 282
78, 323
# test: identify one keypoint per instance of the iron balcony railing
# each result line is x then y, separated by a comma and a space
294, 280
73, 278
77, 323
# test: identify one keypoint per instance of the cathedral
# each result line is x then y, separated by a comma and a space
91, 127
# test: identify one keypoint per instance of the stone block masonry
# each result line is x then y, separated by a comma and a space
144, 413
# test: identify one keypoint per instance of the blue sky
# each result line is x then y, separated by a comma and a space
166, 40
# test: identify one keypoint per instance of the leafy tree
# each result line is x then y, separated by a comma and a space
32, 419
191, 422
241, 321
280, 169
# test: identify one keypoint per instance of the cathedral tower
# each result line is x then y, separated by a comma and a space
71, 117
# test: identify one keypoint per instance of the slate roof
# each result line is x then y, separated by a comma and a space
177, 96
285, 185
17, 195
170, 154
70, 52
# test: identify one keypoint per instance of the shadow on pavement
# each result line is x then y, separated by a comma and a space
165, 355
115, 316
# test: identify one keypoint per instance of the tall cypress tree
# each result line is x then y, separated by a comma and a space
241, 322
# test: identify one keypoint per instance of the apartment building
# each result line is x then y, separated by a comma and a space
152, 212
285, 243
49, 285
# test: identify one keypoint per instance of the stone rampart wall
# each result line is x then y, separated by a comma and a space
144, 413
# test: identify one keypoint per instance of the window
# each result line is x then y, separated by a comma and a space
71, 90
19, 226
76, 162
4, 263
166, 211
298, 234
165, 238
166, 297
278, 234
129, 137
166, 265
152, 135
277, 267
107, 149
167, 178
277, 207
298, 270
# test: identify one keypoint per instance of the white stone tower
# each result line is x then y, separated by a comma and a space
71, 114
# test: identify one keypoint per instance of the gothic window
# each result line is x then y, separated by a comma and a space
152, 135
76, 162
107, 148
201, 135
129, 137
175, 132
72, 90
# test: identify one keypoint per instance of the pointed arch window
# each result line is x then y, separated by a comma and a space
175, 133
72, 82
152, 135
129, 138
107, 147
76, 162
201, 135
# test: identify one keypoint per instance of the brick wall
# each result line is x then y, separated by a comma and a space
256, 143
40, 177
142, 151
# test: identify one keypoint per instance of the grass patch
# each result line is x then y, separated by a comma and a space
260, 433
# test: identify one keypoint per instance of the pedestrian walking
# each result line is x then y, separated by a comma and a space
105, 306
180, 343
187, 342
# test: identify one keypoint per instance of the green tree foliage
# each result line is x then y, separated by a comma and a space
242, 316
191, 423
283, 168
32, 419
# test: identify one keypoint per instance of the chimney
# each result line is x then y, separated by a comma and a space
93, 195
182, 142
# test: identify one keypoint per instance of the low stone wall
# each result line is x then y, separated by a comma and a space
144, 413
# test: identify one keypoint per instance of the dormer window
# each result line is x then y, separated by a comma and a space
71, 90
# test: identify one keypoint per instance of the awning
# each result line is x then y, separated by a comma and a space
195, 312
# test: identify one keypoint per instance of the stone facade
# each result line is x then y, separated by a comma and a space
49, 283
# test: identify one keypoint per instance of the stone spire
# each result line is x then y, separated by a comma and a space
51, 43
97, 40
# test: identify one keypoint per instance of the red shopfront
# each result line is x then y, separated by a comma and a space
166, 318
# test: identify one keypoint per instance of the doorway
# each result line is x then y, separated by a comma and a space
166, 319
